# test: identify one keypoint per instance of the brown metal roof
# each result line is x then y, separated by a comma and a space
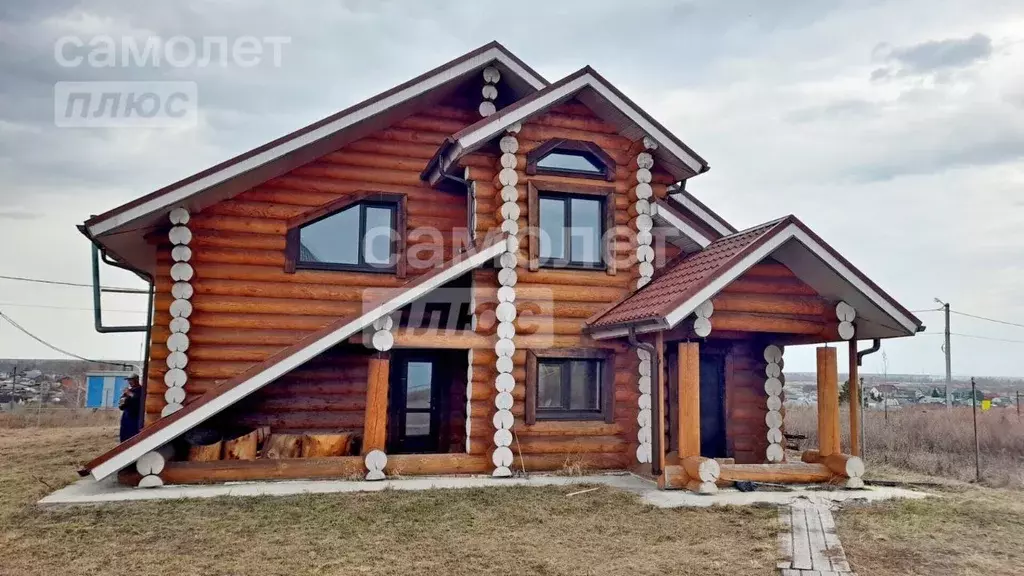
680, 279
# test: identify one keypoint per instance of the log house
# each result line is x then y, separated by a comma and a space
477, 272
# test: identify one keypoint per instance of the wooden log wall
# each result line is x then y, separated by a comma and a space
746, 402
246, 307
553, 306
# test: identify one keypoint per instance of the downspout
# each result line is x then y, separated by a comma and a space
655, 397
98, 314
876, 345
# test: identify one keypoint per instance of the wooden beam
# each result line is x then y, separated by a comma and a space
689, 399
787, 473
828, 401
855, 404
443, 339
658, 428
376, 424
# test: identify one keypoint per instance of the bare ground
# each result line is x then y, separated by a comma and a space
511, 530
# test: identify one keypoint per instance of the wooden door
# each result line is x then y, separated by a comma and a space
712, 405
416, 403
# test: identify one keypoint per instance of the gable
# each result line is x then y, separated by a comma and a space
118, 231
596, 93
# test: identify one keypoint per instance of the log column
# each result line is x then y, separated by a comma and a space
506, 312
644, 415
643, 223
774, 381
855, 402
702, 319
689, 399
490, 91
181, 308
375, 424
828, 402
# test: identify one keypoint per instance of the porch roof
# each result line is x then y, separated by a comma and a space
691, 279
259, 375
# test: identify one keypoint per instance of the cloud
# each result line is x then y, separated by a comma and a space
19, 215
932, 57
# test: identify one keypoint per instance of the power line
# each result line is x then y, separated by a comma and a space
75, 284
48, 306
972, 336
988, 319
52, 347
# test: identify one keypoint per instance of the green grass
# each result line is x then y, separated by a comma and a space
514, 530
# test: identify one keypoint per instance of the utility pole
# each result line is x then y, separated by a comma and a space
946, 350
977, 446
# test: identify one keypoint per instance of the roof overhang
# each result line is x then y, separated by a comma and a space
813, 262
297, 148
231, 391
690, 238
702, 212
597, 94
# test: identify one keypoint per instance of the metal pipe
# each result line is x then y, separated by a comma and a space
147, 329
655, 398
876, 345
97, 291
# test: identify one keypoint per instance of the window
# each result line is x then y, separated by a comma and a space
570, 385
561, 157
570, 225
363, 232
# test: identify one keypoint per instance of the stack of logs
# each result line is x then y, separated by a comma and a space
261, 443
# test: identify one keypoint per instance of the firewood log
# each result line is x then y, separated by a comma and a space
242, 448
280, 446
325, 445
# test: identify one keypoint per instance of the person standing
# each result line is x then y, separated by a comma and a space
130, 405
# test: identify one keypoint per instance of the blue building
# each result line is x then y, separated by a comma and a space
103, 389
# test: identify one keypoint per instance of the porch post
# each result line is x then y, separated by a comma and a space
828, 402
854, 401
689, 399
375, 424
658, 398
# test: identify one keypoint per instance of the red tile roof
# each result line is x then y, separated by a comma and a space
681, 279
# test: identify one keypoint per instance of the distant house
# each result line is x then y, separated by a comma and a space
103, 389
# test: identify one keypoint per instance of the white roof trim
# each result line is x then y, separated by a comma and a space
706, 217
267, 376
791, 232
172, 197
502, 120
689, 231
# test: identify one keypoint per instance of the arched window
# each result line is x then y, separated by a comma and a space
361, 233
561, 157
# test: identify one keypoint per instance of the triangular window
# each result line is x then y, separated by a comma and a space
560, 157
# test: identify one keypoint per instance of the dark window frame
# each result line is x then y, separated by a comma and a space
361, 200
538, 189
589, 150
606, 384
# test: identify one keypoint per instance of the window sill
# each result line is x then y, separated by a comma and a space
569, 266
570, 416
345, 268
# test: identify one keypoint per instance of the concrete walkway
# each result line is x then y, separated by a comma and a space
88, 491
808, 542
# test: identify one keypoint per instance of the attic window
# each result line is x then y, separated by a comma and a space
577, 158
360, 233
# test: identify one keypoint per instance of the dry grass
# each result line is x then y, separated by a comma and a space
971, 531
53, 417
511, 530
934, 441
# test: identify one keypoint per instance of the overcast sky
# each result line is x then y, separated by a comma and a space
894, 129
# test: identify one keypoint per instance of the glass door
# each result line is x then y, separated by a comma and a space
415, 412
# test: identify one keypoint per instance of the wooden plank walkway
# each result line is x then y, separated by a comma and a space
808, 542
